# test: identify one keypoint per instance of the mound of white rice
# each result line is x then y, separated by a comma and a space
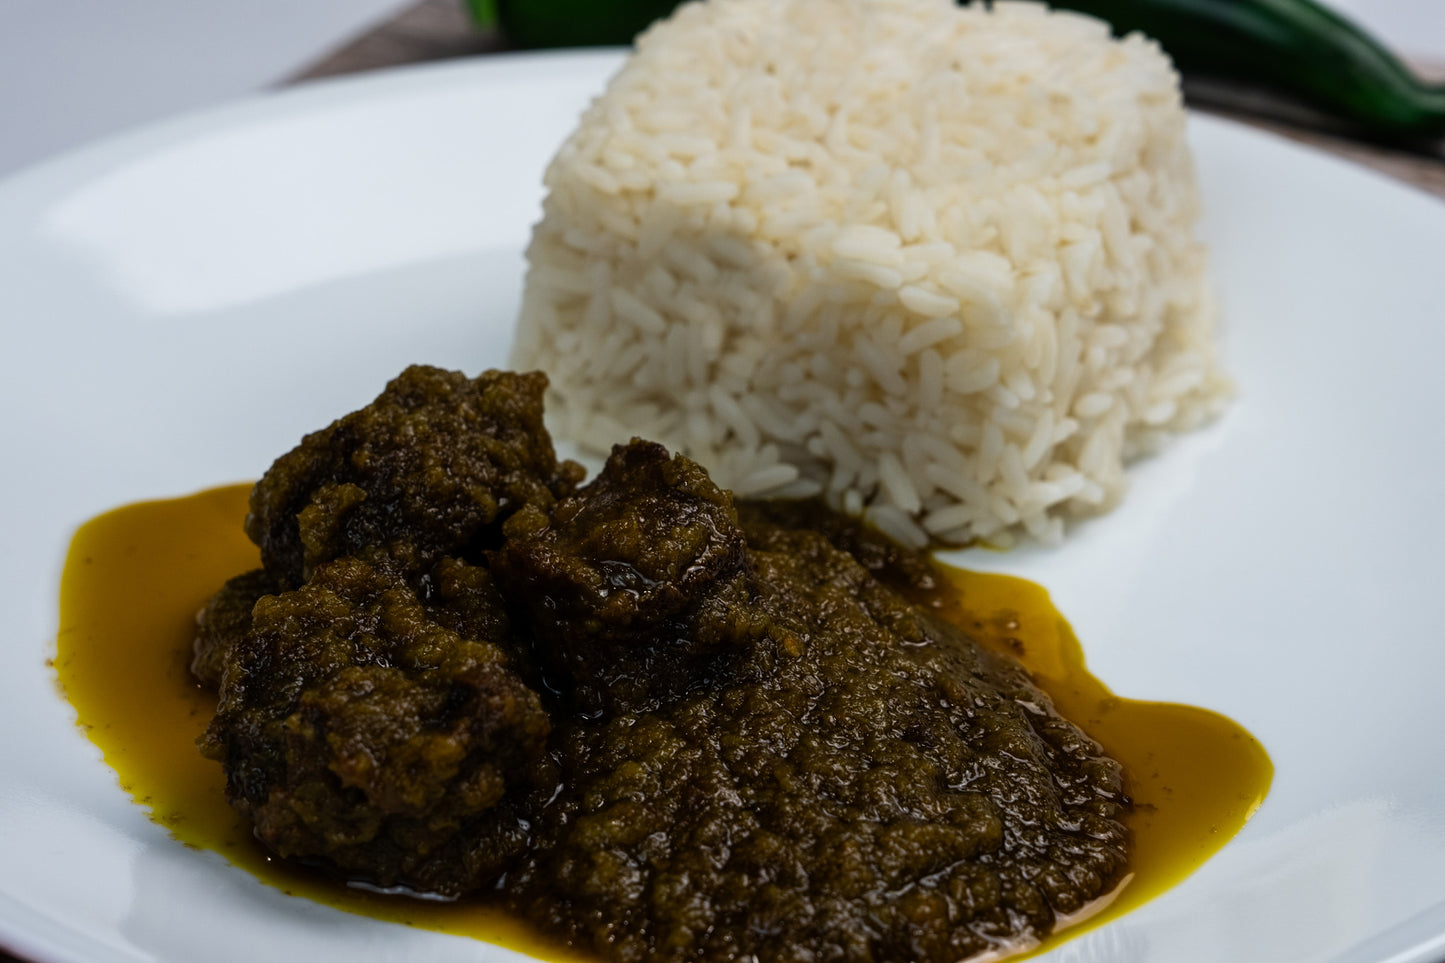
935, 263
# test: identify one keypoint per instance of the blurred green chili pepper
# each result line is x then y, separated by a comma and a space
570, 23
1293, 47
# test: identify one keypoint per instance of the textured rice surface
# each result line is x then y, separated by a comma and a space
935, 263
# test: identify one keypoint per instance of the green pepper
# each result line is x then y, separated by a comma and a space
1297, 48
1292, 47
570, 23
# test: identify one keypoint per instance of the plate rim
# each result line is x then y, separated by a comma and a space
73, 168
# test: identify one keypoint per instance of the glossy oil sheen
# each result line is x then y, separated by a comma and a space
135, 577
1195, 776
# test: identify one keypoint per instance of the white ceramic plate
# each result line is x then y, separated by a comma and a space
1283, 567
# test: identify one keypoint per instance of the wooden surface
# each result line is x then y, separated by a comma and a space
426, 31
433, 30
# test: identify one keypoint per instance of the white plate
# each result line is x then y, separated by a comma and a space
1283, 567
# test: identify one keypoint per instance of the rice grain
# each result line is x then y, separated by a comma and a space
936, 263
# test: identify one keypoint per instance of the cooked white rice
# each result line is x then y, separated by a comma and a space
935, 263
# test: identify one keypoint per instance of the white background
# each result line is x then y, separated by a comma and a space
72, 71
